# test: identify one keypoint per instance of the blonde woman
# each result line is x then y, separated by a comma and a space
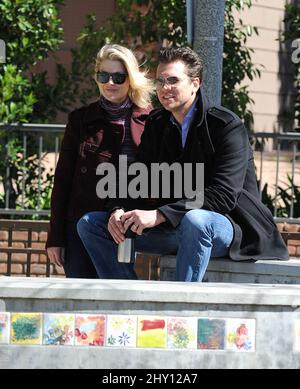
96, 133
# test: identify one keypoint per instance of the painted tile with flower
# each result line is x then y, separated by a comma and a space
121, 331
59, 329
182, 332
240, 334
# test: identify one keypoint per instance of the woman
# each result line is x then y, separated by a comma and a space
97, 133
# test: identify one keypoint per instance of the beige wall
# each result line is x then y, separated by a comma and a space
73, 14
272, 92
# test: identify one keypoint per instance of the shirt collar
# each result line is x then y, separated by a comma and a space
188, 116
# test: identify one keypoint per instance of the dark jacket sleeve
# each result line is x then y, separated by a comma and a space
227, 176
63, 181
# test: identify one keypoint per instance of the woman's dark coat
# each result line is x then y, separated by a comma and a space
89, 139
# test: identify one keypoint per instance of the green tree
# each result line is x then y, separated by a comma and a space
16, 104
31, 29
17, 99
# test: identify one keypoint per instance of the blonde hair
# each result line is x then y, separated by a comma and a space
140, 87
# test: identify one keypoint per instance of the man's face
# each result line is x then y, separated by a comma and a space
175, 89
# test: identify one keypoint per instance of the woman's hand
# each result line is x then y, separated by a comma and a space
55, 255
115, 226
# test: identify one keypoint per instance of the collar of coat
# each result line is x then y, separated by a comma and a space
199, 118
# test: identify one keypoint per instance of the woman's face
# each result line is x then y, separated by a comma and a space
114, 92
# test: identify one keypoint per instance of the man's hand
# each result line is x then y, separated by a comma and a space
55, 255
115, 226
138, 220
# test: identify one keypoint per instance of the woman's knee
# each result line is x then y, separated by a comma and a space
91, 221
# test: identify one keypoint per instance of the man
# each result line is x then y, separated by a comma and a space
230, 221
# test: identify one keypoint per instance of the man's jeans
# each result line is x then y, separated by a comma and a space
200, 235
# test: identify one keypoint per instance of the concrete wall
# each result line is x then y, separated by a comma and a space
226, 270
274, 308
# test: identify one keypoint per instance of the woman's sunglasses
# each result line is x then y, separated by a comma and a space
104, 77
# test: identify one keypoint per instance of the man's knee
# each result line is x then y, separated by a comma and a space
198, 219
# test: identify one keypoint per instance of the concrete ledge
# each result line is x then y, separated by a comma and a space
275, 308
128, 292
225, 270
66, 357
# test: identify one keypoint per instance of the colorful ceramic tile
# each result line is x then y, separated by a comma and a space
211, 334
240, 334
89, 330
121, 331
297, 333
182, 332
4, 327
26, 328
152, 332
59, 328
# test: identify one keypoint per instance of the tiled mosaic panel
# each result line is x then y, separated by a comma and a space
131, 331
152, 332
58, 329
182, 332
211, 334
26, 328
240, 334
121, 331
90, 330
4, 327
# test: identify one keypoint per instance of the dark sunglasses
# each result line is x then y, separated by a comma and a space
104, 77
160, 82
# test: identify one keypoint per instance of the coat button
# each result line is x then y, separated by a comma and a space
83, 169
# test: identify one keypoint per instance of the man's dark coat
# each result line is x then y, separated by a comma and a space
217, 138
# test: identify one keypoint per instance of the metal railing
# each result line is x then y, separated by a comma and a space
294, 139
40, 131
55, 132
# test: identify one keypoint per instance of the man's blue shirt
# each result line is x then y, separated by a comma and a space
184, 127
